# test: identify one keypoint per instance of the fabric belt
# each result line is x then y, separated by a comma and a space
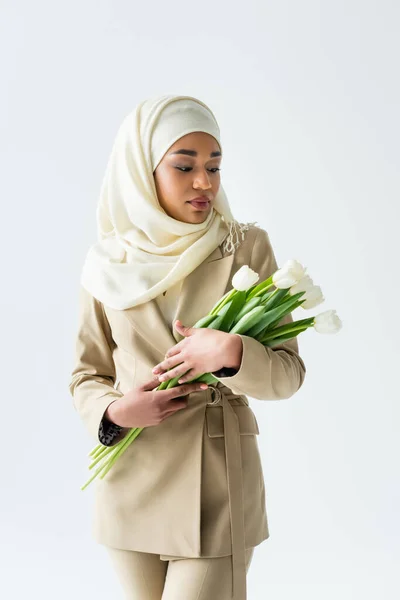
233, 458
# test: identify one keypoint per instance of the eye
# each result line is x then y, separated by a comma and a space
186, 169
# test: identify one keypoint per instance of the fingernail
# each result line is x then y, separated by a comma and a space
204, 386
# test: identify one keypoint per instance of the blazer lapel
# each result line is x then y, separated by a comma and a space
201, 289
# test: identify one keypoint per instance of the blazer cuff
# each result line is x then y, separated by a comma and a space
109, 433
95, 414
264, 373
225, 372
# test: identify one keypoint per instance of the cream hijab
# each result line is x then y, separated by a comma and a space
141, 251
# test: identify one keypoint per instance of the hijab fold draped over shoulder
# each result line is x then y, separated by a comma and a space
141, 251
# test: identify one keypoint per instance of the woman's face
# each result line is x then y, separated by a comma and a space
189, 168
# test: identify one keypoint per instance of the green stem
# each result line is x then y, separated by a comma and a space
95, 449
260, 288
222, 302
288, 328
120, 448
109, 450
92, 477
129, 439
106, 450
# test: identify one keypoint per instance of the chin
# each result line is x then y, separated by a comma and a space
194, 216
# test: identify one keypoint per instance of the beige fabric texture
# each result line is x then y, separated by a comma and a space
143, 576
193, 485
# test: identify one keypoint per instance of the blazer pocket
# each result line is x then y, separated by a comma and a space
247, 421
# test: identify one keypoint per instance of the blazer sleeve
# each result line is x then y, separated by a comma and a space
93, 375
266, 373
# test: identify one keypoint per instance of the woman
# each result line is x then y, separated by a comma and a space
182, 509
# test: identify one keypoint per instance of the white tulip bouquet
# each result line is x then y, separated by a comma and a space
251, 309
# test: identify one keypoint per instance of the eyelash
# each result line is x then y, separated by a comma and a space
190, 168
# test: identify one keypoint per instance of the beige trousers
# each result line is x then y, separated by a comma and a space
144, 576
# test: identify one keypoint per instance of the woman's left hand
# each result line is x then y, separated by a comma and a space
201, 351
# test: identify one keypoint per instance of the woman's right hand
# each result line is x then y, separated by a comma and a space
144, 406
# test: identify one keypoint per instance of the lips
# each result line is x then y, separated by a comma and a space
200, 199
200, 205
201, 202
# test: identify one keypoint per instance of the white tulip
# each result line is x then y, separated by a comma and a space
289, 274
244, 278
283, 280
304, 285
313, 296
327, 322
294, 267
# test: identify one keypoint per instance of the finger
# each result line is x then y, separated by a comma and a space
181, 390
167, 363
187, 377
175, 349
172, 407
171, 373
151, 385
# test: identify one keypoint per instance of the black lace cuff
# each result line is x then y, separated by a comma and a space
108, 431
225, 372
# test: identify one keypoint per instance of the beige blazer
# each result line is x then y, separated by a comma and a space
193, 485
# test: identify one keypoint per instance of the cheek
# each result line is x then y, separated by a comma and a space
170, 184
176, 192
175, 182
216, 184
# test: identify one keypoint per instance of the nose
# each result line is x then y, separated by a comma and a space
202, 181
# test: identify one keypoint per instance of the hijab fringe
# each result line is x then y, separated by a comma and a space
235, 228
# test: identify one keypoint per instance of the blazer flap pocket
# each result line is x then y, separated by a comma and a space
247, 421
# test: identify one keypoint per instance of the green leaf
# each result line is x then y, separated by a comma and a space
249, 305
259, 288
272, 315
248, 320
289, 327
217, 323
222, 311
271, 331
235, 305
204, 321
274, 298
222, 301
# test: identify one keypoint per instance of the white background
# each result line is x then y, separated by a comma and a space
307, 98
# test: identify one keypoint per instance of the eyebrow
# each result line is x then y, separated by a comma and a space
194, 153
